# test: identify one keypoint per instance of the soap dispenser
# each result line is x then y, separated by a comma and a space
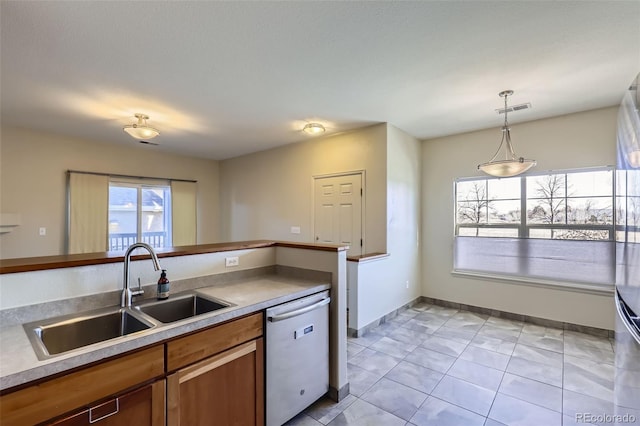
163, 286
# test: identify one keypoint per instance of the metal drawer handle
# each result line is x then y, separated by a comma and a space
300, 311
92, 420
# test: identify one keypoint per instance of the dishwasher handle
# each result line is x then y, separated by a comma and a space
323, 302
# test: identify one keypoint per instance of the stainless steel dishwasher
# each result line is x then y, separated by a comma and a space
297, 353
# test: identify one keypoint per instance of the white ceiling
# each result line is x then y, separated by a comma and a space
222, 79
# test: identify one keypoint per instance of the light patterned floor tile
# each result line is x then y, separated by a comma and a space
588, 377
353, 349
464, 394
477, 374
431, 359
511, 371
443, 345
586, 351
542, 356
436, 412
360, 380
544, 373
375, 362
395, 398
393, 347
303, 419
415, 376
324, 410
455, 334
485, 357
493, 344
515, 412
499, 333
538, 393
361, 413
550, 343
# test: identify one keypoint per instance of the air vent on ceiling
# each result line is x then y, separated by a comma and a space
513, 108
149, 143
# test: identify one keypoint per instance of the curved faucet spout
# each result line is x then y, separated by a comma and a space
127, 293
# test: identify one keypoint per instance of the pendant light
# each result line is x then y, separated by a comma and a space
141, 130
511, 165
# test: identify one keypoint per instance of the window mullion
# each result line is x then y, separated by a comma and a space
523, 231
139, 214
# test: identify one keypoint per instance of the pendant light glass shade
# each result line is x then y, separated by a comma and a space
511, 165
140, 130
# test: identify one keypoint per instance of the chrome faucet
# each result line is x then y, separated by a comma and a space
127, 293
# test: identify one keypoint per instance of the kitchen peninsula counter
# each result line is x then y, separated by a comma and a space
19, 364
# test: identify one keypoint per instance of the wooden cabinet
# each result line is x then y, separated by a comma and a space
224, 389
142, 407
211, 377
50, 399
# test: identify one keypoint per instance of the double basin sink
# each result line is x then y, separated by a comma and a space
62, 334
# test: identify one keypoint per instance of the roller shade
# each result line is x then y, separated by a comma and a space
572, 261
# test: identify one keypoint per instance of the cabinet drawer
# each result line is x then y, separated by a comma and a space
187, 350
144, 406
55, 397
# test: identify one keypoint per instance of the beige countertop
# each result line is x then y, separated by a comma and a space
19, 364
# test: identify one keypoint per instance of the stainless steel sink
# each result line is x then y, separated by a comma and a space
63, 334
179, 308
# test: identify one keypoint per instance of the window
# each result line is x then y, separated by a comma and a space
555, 226
111, 212
568, 205
139, 213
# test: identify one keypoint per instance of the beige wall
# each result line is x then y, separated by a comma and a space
382, 286
262, 195
577, 140
33, 184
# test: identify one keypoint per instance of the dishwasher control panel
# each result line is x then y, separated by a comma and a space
301, 332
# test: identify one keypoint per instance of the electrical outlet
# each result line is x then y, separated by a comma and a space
43, 231
295, 229
407, 284
231, 261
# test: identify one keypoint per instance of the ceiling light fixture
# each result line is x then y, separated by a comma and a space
511, 165
313, 128
140, 130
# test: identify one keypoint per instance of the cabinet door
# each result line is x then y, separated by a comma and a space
226, 389
141, 407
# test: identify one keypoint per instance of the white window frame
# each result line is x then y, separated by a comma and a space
166, 187
523, 227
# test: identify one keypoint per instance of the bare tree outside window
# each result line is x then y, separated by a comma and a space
552, 202
576, 205
474, 206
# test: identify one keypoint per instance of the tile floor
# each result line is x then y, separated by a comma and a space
432, 365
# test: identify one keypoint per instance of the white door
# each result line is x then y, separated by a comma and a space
338, 211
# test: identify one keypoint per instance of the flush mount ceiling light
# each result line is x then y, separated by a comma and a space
511, 165
313, 128
140, 130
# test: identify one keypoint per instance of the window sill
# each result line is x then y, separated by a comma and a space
600, 290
